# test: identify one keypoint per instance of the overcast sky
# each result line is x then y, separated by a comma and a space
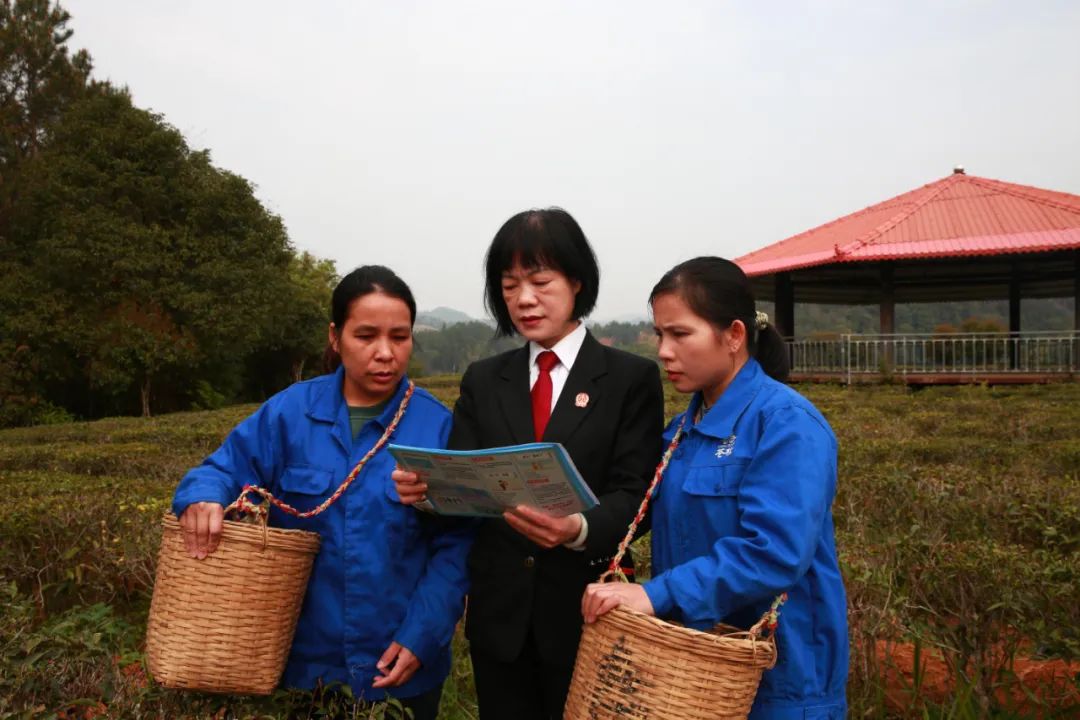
405, 132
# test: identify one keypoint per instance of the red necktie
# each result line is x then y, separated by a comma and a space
541, 392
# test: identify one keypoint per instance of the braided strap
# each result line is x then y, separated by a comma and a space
768, 621
261, 511
615, 571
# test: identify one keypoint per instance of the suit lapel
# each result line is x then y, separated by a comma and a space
514, 397
581, 392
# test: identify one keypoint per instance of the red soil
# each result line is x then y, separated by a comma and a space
1039, 685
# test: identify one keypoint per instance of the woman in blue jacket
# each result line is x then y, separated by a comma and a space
742, 513
388, 584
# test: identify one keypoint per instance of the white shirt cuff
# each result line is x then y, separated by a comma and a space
578, 543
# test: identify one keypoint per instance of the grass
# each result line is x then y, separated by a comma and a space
958, 523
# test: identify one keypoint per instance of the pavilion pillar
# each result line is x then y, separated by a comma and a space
887, 316
887, 310
1014, 317
1076, 291
1076, 312
1014, 300
785, 305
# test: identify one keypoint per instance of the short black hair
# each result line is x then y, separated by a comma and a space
549, 238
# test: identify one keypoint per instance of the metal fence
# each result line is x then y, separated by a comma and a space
854, 356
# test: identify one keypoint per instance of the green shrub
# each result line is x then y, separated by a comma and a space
957, 520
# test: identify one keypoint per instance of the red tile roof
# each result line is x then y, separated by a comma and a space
957, 216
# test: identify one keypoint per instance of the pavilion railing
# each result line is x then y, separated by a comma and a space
857, 356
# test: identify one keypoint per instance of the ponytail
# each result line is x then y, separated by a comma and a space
771, 352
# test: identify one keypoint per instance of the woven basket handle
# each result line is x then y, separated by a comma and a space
261, 511
768, 622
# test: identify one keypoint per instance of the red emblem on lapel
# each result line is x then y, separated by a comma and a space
581, 400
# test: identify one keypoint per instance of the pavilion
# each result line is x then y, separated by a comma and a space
959, 238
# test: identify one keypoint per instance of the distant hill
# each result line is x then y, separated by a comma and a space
1048, 314
442, 317
633, 318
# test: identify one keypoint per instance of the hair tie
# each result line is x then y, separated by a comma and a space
761, 321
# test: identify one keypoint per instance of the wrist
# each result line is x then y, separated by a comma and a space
576, 541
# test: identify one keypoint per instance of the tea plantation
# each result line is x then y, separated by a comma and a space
958, 523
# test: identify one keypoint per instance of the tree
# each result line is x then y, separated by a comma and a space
137, 341
300, 314
451, 349
147, 264
38, 77
313, 281
130, 266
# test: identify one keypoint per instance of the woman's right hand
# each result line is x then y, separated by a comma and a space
408, 486
200, 525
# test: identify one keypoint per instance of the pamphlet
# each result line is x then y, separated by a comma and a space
485, 483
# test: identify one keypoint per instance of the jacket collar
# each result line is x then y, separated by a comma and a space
566, 349
720, 420
328, 400
569, 411
516, 400
391, 408
328, 405
514, 396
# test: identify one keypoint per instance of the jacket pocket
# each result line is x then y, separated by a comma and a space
303, 488
710, 506
714, 480
305, 480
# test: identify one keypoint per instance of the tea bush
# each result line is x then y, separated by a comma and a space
957, 520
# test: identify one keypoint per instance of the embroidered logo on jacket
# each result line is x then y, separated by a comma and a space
726, 447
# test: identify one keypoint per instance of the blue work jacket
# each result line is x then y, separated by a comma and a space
742, 515
384, 572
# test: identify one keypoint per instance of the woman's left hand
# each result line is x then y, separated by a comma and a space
401, 664
602, 598
544, 530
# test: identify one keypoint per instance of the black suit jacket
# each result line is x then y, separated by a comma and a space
615, 442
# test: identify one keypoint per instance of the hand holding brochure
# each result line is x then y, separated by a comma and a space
485, 483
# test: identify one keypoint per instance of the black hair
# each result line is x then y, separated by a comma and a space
719, 291
362, 281
549, 238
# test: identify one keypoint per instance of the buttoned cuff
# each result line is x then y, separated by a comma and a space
578, 543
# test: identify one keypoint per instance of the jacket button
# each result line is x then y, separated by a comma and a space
530, 561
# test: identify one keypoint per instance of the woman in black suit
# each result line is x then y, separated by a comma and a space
529, 570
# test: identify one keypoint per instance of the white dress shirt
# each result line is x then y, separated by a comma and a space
567, 351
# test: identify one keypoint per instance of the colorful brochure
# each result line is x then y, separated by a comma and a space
484, 483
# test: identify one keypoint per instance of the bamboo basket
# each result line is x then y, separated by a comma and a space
631, 666
225, 624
